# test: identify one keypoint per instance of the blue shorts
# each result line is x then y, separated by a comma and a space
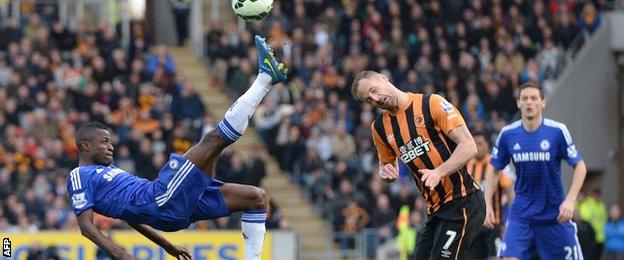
551, 241
185, 194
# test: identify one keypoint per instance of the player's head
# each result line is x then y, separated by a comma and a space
531, 100
596, 193
375, 88
482, 143
94, 143
615, 213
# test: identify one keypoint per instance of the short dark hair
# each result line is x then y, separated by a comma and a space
85, 130
532, 85
356, 82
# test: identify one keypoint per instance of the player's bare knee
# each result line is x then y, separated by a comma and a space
260, 200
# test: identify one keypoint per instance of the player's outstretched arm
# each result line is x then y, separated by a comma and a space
90, 231
566, 210
177, 251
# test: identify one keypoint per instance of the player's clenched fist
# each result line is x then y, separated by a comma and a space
388, 172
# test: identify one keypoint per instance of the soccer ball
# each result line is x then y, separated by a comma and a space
252, 10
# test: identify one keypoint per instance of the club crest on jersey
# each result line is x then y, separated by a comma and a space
545, 145
419, 120
79, 200
173, 164
414, 148
446, 106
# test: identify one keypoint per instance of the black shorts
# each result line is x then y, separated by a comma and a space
484, 245
449, 233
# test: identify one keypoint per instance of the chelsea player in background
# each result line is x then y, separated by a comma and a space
540, 216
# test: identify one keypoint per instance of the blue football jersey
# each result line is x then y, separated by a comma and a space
112, 192
537, 158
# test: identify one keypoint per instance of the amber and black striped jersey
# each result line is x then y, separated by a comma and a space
418, 135
478, 168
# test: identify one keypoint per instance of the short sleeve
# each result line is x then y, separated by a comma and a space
444, 114
384, 152
567, 147
500, 154
79, 192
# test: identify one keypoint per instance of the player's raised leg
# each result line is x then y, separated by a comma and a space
235, 121
222, 199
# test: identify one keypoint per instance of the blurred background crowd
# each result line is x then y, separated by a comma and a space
476, 53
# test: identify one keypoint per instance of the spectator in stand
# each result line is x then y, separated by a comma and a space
593, 210
589, 20
614, 234
160, 59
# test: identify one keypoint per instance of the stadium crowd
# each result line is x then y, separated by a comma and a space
53, 78
475, 53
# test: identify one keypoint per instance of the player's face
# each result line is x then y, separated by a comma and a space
530, 103
100, 148
482, 145
378, 92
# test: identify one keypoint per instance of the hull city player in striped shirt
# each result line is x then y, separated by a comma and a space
429, 135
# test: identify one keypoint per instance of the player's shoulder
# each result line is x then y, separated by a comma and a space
77, 178
435, 99
84, 172
93, 168
433, 96
557, 127
554, 124
510, 128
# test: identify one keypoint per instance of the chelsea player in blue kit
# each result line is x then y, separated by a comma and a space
184, 191
540, 216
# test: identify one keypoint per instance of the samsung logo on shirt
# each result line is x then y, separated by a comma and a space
531, 157
112, 173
